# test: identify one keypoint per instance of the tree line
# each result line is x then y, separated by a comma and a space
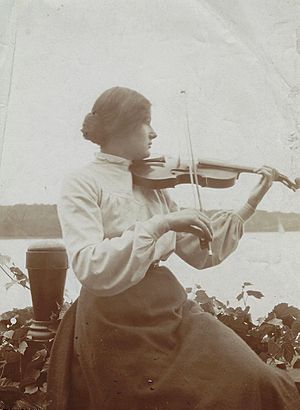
41, 221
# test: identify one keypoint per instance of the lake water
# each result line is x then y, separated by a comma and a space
270, 261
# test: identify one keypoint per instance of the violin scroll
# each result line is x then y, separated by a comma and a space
287, 182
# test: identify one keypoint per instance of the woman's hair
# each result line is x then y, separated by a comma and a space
117, 110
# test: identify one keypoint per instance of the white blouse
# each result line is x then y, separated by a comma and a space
115, 230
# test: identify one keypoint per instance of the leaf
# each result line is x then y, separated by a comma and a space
23, 282
37, 401
281, 365
270, 316
260, 320
18, 273
46, 365
31, 389
9, 334
20, 333
208, 307
10, 355
219, 304
3, 363
296, 327
43, 388
247, 284
275, 322
273, 348
5, 382
288, 352
255, 293
288, 320
34, 374
30, 378
22, 347
4, 259
283, 309
202, 297
10, 284
54, 316
38, 359
23, 404
240, 296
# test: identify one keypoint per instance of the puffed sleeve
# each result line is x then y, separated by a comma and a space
228, 228
105, 266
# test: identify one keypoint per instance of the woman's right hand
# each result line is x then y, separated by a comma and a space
192, 221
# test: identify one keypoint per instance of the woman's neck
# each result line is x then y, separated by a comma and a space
116, 151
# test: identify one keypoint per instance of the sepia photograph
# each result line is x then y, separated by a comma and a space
150, 204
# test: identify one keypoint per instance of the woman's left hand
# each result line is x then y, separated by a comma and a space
268, 176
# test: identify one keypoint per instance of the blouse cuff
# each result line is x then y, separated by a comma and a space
246, 212
156, 226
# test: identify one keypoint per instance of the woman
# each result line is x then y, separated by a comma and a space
132, 340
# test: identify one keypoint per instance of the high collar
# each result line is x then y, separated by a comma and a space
112, 159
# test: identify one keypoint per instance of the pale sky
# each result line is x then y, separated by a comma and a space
238, 61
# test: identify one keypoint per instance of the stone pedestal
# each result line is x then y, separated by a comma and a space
47, 264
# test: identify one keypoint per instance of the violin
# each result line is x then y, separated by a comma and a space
161, 172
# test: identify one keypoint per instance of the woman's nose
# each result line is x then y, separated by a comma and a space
152, 135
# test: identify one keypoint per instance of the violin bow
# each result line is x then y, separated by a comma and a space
193, 167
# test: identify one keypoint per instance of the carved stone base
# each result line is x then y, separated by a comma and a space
42, 331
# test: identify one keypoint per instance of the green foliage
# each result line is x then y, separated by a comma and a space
275, 338
23, 363
15, 275
22, 376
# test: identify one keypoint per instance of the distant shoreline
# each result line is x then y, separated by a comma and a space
40, 221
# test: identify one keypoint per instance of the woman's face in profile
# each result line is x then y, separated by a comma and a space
137, 144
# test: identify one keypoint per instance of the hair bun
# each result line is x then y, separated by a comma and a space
91, 128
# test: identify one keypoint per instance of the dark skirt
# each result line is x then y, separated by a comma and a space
151, 348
